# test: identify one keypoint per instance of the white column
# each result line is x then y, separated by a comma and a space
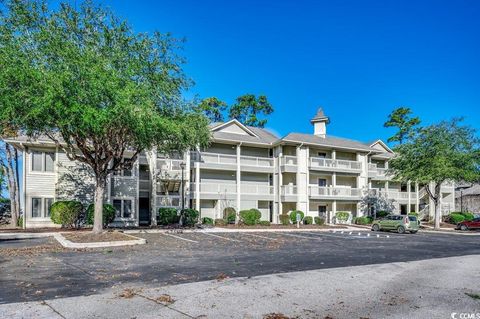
24, 187
334, 211
417, 197
279, 185
302, 183
197, 186
409, 185
238, 178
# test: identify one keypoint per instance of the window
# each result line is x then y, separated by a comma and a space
41, 207
322, 154
123, 208
322, 182
43, 161
124, 172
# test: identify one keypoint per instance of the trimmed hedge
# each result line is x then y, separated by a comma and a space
264, 222
191, 216
66, 213
382, 213
319, 220
285, 219
468, 215
230, 214
308, 220
413, 214
342, 216
207, 221
220, 222
293, 215
455, 218
167, 216
363, 220
250, 216
108, 214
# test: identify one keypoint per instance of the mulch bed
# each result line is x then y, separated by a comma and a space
281, 227
89, 237
443, 225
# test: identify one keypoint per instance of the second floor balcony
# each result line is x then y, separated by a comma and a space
229, 161
321, 192
377, 173
328, 164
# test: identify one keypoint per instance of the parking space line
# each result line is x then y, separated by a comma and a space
226, 238
300, 236
178, 237
248, 234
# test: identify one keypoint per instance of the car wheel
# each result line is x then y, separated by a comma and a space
401, 229
375, 227
413, 231
463, 227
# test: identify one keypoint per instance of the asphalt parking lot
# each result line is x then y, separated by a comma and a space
40, 269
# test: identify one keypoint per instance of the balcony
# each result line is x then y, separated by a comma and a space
392, 194
288, 163
215, 160
288, 193
377, 173
334, 192
210, 190
327, 164
256, 164
168, 201
257, 191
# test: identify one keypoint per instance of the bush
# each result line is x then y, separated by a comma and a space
191, 216
468, 216
230, 214
285, 219
293, 215
308, 220
381, 214
20, 221
250, 216
319, 220
342, 216
220, 222
167, 216
455, 218
207, 221
66, 213
413, 214
108, 214
363, 220
264, 223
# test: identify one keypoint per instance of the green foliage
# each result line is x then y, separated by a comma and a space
207, 221
108, 214
342, 216
455, 218
191, 216
250, 216
308, 220
248, 107
167, 216
66, 213
382, 214
319, 220
293, 215
285, 219
413, 214
468, 215
230, 215
212, 108
264, 223
220, 222
400, 118
20, 221
362, 220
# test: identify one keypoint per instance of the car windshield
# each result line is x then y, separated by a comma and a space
412, 218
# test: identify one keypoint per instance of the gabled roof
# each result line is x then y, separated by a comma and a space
234, 122
253, 135
383, 145
328, 141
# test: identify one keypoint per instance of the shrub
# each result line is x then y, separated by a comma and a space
319, 220
468, 216
285, 219
66, 213
308, 220
108, 214
250, 216
413, 214
220, 222
264, 222
342, 216
20, 221
167, 216
455, 218
207, 221
293, 215
382, 213
191, 216
230, 214
363, 220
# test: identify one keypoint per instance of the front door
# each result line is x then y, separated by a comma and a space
144, 211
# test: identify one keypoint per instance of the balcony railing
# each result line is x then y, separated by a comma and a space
168, 201
392, 194
256, 161
215, 158
372, 167
288, 190
215, 188
334, 163
166, 164
334, 191
288, 160
252, 189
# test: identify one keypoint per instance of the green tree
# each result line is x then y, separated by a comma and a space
438, 153
406, 125
105, 93
248, 108
213, 108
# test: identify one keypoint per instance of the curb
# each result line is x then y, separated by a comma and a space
69, 244
229, 230
13, 236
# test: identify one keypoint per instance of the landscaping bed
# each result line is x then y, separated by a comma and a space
279, 226
89, 237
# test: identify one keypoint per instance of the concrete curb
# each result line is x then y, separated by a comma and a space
450, 232
240, 230
69, 244
13, 236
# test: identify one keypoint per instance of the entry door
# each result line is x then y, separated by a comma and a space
144, 211
322, 211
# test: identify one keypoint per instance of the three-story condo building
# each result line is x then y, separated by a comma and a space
244, 167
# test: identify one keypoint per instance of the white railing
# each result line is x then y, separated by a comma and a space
334, 163
334, 191
372, 167
215, 188
252, 189
166, 164
288, 160
381, 171
287, 190
168, 201
215, 158
256, 161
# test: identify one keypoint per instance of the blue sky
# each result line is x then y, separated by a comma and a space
357, 59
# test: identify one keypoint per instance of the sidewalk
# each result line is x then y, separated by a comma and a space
396, 290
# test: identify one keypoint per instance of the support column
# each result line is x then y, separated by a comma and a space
197, 186
409, 185
238, 178
417, 202
334, 211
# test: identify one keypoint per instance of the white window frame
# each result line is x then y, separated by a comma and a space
121, 173
43, 154
122, 199
43, 207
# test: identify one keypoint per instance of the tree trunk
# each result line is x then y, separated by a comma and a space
12, 184
438, 212
98, 202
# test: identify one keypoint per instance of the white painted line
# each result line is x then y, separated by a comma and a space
300, 236
378, 236
388, 236
226, 238
350, 233
368, 235
259, 236
178, 237
342, 232
359, 234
